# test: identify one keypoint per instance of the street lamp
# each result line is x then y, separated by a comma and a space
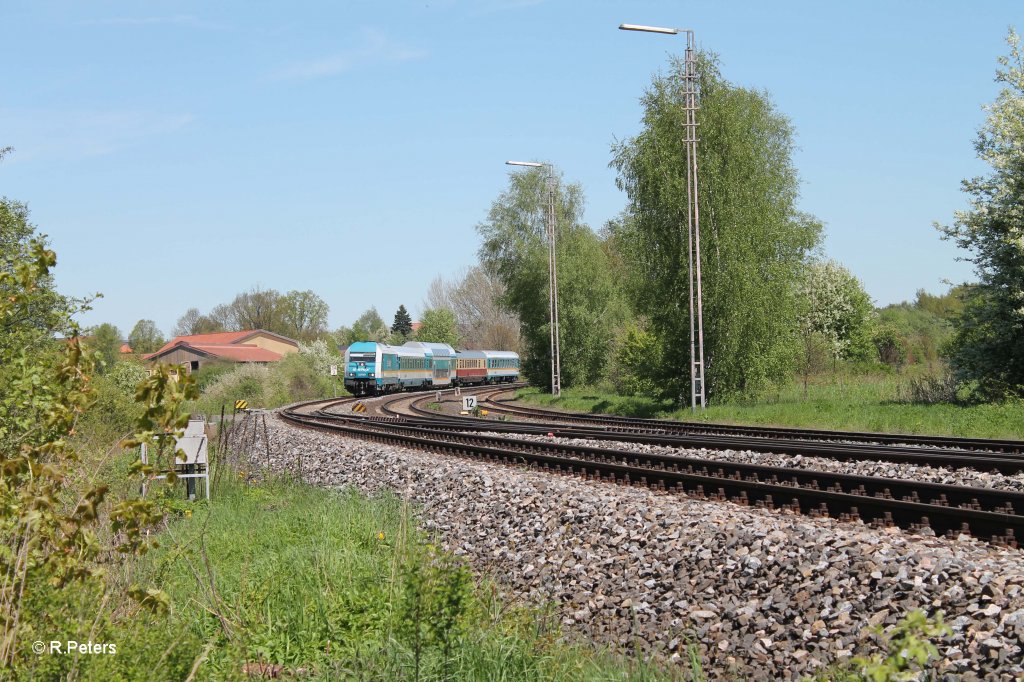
692, 211
556, 359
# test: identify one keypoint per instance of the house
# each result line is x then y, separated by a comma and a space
252, 345
126, 349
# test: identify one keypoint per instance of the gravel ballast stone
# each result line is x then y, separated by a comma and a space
765, 594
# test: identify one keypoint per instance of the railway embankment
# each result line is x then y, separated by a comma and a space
766, 594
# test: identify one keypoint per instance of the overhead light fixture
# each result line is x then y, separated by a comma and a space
649, 29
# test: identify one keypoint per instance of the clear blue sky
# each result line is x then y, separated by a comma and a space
178, 153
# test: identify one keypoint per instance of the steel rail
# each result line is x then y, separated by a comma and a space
1005, 463
950, 509
650, 425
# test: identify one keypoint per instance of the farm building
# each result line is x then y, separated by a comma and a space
253, 345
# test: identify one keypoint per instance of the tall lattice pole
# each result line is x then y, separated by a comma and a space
551, 229
690, 89
691, 104
556, 349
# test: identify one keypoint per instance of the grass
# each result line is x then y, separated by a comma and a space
320, 582
852, 402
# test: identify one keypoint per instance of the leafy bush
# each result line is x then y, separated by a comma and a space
931, 389
243, 382
637, 359
906, 652
890, 346
294, 378
209, 373
297, 376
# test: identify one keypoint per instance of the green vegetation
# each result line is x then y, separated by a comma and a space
298, 376
908, 652
986, 350
145, 337
846, 401
300, 315
403, 322
438, 326
340, 586
754, 241
368, 327
515, 251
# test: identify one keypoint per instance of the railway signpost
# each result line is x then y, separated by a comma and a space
334, 380
468, 402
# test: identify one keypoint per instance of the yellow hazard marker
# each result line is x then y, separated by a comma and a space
241, 404
359, 407
484, 413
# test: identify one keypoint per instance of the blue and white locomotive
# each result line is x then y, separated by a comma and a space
372, 368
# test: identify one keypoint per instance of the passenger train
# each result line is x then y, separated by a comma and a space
372, 368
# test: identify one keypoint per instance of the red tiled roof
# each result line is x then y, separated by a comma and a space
217, 338
238, 352
125, 348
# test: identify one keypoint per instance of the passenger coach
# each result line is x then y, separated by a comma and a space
372, 368
486, 367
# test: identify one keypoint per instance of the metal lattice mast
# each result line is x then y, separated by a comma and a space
690, 92
551, 229
556, 360
691, 104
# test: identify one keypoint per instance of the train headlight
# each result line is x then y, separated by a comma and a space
371, 374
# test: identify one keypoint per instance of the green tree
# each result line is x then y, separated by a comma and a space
921, 334
257, 309
145, 337
105, 340
368, 327
515, 252
475, 299
835, 306
46, 313
947, 306
403, 322
194, 322
52, 560
988, 346
438, 326
754, 240
303, 315
637, 357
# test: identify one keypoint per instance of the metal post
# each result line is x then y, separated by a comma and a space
697, 393
693, 264
556, 360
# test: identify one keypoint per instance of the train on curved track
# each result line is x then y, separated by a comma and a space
373, 368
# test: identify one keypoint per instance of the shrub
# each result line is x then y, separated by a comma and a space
243, 382
931, 389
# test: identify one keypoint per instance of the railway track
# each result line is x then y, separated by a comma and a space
669, 426
403, 420
1004, 462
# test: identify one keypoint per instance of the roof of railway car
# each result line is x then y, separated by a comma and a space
490, 354
499, 354
437, 349
363, 347
374, 346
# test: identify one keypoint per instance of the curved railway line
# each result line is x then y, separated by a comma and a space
983, 512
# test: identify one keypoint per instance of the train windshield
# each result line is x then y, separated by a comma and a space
362, 357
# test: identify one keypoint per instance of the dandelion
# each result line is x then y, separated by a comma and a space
188, 513
380, 535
